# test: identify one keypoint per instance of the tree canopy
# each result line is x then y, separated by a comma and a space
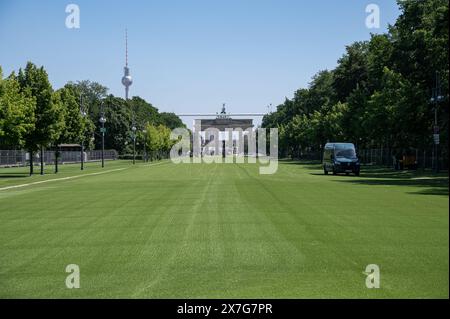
35, 116
379, 93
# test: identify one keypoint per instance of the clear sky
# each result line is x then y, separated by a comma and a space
188, 56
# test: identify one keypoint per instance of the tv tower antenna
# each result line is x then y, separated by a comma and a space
127, 80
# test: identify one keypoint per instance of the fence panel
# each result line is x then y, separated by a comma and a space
424, 158
21, 157
12, 158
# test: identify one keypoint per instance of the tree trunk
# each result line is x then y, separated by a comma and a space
42, 160
56, 159
31, 162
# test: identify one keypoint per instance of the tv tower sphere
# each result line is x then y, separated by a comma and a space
127, 80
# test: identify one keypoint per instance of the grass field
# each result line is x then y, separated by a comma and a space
194, 231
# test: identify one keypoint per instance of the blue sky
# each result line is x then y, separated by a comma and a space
188, 56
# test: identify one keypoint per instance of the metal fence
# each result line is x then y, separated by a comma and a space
22, 158
424, 158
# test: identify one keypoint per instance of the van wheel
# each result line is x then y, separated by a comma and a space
325, 171
334, 171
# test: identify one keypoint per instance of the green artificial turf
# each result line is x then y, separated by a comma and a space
223, 231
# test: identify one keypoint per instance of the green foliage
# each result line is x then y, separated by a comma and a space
144, 112
91, 94
48, 116
118, 125
119, 114
379, 93
170, 120
16, 113
74, 123
158, 138
32, 115
351, 71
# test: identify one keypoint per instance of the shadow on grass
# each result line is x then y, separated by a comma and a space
13, 175
431, 184
433, 191
309, 164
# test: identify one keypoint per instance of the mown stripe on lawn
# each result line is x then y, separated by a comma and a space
60, 179
73, 177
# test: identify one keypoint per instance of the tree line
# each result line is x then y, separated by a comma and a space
379, 93
35, 117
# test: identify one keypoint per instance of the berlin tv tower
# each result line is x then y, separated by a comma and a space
126, 79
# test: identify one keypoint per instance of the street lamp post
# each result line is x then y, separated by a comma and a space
83, 115
134, 144
145, 145
436, 97
103, 120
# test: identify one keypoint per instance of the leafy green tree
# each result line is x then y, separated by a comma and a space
16, 112
379, 56
152, 139
165, 142
74, 122
158, 140
379, 93
48, 113
77, 128
351, 71
170, 120
92, 94
420, 40
144, 112
320, 93
118, 125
